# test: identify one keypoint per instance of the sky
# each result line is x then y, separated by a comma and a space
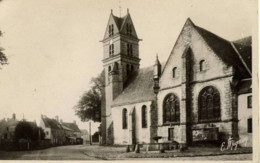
54, 48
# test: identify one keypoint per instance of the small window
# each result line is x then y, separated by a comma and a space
109, 68
249, 101
144, 117
170, 133
129, 29
111, 30
124, 118
7, 129
129, 50
202, 65
132, 68
174, 70
249, 125
116, 65
127, 69
111, 49
47, 133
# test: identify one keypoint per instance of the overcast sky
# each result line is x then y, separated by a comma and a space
53, 45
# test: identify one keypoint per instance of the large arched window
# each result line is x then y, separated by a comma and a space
171, 109
209, 104
144, 117
124, 118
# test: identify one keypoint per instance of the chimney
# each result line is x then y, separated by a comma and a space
61, 121
14, 116
74, 122
57, 118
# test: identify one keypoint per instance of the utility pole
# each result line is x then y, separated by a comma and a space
90, 137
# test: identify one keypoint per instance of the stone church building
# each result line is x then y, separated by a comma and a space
193, 96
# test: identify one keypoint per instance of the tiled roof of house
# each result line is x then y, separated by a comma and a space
51, 123
72, 126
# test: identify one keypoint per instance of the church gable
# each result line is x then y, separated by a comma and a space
211, 55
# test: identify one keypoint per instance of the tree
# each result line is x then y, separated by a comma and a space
89, 105
3, 58
25, 130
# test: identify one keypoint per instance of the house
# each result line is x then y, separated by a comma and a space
59, 132
194, 97
72, 131
53, 130
7, 128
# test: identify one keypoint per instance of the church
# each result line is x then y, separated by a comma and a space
202, 92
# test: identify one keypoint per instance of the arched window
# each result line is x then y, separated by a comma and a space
171, 109
144, 117
174, 71
202, 65
209, 104
124, 118
109, 68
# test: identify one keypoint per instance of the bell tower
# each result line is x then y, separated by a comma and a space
120, 59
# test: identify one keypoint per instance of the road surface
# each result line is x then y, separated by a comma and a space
95, 152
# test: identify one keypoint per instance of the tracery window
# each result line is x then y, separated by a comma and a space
124, 118
144, 117
171, 109
209, 104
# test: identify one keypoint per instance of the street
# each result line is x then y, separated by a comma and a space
95, 152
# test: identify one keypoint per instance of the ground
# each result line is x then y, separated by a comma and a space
95, 152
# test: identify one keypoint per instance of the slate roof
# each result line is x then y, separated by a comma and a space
119, 21
226, 51
72, 126
244, 46
139, 88
51, 123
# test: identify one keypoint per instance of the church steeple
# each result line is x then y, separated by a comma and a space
120, 58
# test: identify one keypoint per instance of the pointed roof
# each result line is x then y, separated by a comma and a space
120, 24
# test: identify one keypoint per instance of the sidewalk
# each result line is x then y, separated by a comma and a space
115, 152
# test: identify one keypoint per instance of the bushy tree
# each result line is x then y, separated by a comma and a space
3, 58
25, 130
89, 105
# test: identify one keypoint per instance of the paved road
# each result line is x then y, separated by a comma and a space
73, 152
94, 152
